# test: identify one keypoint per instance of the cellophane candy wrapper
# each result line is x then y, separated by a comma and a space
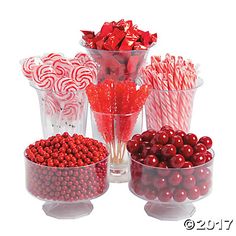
60, 84
120, 48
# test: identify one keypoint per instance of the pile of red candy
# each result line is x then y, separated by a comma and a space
121, 35
66, 168
170, 164
120, 49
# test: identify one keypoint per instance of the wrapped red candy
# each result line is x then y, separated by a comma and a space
120, 48
119, 36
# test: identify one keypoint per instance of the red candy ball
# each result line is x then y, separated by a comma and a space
161, 137
165, 195
177, 161
198, 158
148, 135
179, 195
151, 160
190, 139
175, 178
186, 151
199, 147
177, 141
193, 193
206, 141
168, 150
133, 146
188, 182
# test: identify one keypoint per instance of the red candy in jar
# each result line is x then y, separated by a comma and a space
66, 168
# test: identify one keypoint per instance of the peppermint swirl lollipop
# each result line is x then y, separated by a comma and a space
62, 67
82, 76
51, 57
44, 76
51, 104
65, 89
71, 109
28, 66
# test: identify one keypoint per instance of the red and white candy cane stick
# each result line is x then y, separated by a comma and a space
44, 76
82, 76
65, 89
28, 66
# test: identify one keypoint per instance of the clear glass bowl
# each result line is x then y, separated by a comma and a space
118, 65
67, 191
115, 130
170, 107
170, 192
65, 112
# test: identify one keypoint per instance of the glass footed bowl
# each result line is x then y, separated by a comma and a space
170, 192
67, 191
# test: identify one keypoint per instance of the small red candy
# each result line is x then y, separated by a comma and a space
165, 195
186, 151
207, 141
188, 182
199, 147
151, 160
198, 158
168, 150
177, 141
179, 195
175, 178
177, 161
190, 139
193, 193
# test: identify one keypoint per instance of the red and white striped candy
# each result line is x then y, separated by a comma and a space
71, 109
29, 64
44, 76
51, 57
85, 60
65, 88
51, 104
82, 76
62, 67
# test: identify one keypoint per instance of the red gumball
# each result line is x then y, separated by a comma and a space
193, 193
146, 179
137, 137
204, 187
207, 141
159, 182
175, 178
165, 195
180, 133
161, 137
188, 182
133, 146
177, 161
190, 139
198, 158
199, 147
150, 194
177, 141
186, 151
148, 135
151, 160
168, 150
208, 156
179, 195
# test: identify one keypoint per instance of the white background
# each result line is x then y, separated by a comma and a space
200, 30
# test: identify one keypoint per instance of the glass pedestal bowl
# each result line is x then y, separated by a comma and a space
170, 192
68, 191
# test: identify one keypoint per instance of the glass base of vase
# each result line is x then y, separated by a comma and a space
119, 174
171, 212
67, 210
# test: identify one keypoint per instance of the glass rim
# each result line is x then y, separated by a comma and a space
67, 167
175, 169
82, 43
51, 91
199, 83
115, 114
